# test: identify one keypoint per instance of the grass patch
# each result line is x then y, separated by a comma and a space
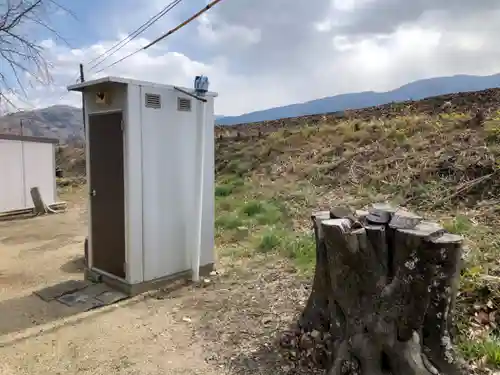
262, 212
300, 248
240, 167
229, 185
229, 221
239, 217
271, 239
223, 190
253, 208
258, 225
236, 252
458, 225
492, 129
487, 350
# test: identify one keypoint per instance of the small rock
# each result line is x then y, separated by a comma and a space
186, 319
213, 273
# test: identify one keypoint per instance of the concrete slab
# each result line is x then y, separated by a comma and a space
111, 296
91, 297
93, 290
53, 292
80, 301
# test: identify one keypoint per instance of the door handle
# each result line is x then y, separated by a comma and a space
92, 193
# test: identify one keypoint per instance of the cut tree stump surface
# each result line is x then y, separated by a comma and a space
382, 297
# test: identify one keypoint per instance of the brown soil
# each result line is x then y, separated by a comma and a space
228, 326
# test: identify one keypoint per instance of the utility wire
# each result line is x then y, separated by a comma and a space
196, 15
119, 61
134, 34
127, 39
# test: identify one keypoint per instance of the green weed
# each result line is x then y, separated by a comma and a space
458, 225
229, 221
488, 349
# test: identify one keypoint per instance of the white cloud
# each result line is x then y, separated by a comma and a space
216, 32
258, 54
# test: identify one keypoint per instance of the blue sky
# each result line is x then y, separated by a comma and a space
114, 17
263, 53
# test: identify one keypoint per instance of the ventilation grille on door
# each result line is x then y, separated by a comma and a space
184, 104
153, 101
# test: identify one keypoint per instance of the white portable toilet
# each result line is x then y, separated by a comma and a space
150, 174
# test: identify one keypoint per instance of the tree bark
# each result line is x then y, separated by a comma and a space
382, 295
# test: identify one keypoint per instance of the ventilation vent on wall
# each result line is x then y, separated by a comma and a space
153, 101
184, 104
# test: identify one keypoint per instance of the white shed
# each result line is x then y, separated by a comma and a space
26, 162
150, 170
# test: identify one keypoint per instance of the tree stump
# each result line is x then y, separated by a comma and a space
382, 297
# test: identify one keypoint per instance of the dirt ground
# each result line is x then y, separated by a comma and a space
229, 326
36, 253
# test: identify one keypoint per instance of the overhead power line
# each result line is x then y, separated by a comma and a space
119, 61
122, 43
134, 34
196, 15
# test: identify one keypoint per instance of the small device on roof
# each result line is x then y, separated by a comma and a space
201, 85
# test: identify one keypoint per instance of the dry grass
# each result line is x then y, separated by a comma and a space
437, 164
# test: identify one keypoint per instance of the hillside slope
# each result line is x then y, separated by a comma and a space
59, 121
414, 152
412, 91
443, 164
460, 102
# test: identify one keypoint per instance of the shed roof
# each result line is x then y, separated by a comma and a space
126, 81
28, 138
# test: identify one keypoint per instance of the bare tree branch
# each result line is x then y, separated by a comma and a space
22, 59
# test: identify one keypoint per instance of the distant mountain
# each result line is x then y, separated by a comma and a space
413, 91
58, 121
65, 122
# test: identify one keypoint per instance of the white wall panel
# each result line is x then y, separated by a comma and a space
40, 171
23, 165
11, 176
